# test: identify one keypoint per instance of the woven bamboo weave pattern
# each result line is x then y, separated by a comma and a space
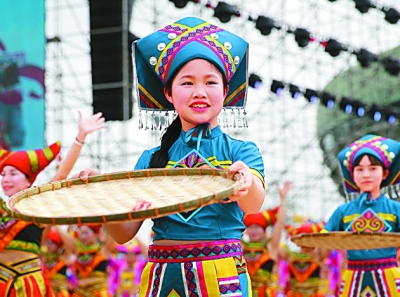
348, 240
122, 196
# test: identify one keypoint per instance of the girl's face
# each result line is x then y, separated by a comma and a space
87, 236
197, 93
51, 246
256, 233
13, 180
368, 177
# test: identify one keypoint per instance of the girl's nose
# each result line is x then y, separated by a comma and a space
199, 92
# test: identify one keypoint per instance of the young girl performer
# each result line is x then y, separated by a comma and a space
261, 253
20, 266
366, 165
55, 256
125, 268
304, 269
92, 254
197, 69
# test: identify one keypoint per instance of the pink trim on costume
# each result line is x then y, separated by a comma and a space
202, 279
230, 279
192, 245
195, 252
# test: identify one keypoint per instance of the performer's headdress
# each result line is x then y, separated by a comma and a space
307, 228
158, 56
386, 150
94, 227
55, 237
30, 162
264, 218
131, 246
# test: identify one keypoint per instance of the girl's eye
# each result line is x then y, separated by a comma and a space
212, 82
186, 83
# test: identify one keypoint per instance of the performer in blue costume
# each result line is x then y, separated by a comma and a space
197, 69
367, 165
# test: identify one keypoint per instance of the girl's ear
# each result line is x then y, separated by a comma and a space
226, 90
168, 95
385, 174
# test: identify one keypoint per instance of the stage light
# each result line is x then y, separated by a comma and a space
349, 105
333, 47
375, 112
265, 24
182, 3
365, 57
346, 105
391, 117
387, 113
277, 87
359, 108
392, 65
363, 5
295, 91
302, 37
328, 99
392, 16
254, 81
224, 12
311, 95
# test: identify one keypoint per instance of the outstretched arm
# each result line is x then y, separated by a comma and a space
68, 240
121, 232
280, 223
251, 196
86, 126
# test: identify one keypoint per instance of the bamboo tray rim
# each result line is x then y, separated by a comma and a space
130, 215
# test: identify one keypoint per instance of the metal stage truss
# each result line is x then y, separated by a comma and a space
285, 129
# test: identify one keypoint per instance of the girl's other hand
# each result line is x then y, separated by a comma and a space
283, 190
91, 124
246, 175
85, 173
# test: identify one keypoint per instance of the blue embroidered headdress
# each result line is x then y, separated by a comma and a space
159, 55
384, 149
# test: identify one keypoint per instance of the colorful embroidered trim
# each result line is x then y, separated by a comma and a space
195, 252
370, 265
23, 246
198, 34
10, 271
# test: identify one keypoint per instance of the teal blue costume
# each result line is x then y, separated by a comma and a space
218, 150
369, 272
214, 264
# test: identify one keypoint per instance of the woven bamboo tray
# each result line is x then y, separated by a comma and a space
122, 196
348, 240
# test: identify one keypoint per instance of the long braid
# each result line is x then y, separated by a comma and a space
160, 158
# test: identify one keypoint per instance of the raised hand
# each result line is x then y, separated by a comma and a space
284, 189
91, 124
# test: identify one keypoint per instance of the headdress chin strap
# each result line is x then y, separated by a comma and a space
366, 198
195, 134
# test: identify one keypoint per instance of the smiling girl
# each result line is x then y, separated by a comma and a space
197, 69
20, 266
367, 165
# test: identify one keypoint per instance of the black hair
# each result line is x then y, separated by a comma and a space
160, 158
374, 161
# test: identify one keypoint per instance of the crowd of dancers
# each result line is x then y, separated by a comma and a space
223, 249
